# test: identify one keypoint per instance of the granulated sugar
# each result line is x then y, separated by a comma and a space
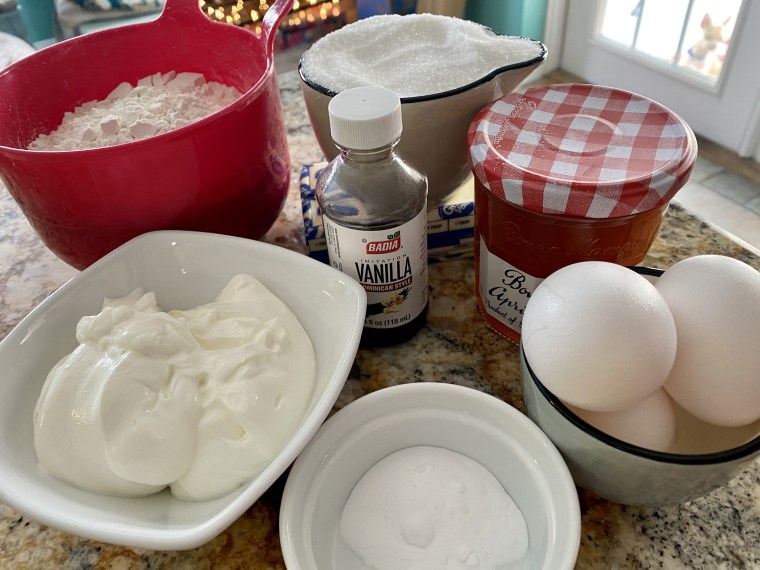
413, 55
158, 104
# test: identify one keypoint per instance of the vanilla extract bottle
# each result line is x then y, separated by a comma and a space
374, 212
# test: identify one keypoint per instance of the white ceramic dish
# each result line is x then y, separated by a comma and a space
184, 269
454, 417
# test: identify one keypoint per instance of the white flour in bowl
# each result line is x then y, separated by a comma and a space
413, 55
158, 104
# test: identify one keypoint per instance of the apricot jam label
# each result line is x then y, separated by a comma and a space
504, 289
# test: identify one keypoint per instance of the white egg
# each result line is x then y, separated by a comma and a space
650, 423
599, 336
715, 301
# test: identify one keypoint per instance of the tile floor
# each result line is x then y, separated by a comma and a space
717, 191
724, 198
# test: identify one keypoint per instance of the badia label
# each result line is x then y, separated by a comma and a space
390, 264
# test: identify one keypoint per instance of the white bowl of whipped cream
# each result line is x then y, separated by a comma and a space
152, 399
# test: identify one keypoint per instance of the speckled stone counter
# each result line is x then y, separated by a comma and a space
720, 530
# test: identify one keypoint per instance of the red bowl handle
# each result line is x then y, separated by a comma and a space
272, 19
189, 11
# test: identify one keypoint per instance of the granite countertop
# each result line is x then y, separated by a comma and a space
720, 530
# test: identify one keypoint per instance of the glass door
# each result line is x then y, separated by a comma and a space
697, 57
687, 37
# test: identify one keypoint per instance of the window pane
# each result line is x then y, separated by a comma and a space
708, 34
660, 30
619, 21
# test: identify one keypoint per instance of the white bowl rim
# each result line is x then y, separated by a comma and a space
562, 478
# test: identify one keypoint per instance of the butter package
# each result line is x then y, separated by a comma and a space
450, 225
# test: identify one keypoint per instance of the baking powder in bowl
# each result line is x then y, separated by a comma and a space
429, 508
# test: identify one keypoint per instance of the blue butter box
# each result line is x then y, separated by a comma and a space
451, 225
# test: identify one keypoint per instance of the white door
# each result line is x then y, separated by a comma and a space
700, 58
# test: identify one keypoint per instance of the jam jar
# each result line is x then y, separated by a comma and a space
563, 174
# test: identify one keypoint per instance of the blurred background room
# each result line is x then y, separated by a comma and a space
694, 56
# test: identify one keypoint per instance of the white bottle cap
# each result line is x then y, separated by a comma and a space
365, 118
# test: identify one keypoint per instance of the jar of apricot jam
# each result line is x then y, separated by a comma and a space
568, 173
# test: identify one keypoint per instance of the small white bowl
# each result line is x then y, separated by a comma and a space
453, 417
185, 269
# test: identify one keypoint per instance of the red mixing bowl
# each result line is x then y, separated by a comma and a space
228, 173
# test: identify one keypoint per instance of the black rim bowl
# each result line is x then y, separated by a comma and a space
736, 453
440, 95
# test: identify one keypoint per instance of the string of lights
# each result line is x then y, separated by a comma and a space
248, 13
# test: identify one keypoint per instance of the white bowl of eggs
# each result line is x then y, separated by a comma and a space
173, 421
429, 475
646, 380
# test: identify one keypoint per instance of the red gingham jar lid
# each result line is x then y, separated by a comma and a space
581, 150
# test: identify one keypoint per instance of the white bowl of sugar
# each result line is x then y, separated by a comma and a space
415, 474
444, 70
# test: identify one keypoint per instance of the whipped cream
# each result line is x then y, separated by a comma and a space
198, 400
